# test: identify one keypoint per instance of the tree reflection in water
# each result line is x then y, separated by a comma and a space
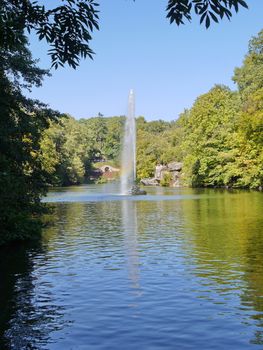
29, 313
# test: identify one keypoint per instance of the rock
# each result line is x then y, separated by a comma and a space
136, 191
159, 169
150, 182
175, 166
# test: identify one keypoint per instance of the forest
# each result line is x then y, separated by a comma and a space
219, 139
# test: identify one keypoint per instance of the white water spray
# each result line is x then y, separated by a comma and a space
128, 164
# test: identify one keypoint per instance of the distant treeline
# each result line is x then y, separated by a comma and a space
219, 140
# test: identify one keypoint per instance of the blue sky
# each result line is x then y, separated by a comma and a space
168, 67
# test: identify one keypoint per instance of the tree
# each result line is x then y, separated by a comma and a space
67, 151
68, 27
208, 10
22, 179
24, 171
249, 77
208, 141
153, 146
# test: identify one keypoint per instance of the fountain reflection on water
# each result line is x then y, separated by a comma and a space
130, 231
128, 162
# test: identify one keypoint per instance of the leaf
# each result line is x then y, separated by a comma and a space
203, 9
213, 16
207, 21
243, 3
202, 18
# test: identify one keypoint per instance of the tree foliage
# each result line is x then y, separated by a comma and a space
223, 130
36, 150
249, 77
179, 11
68, 25
71, 148
219, 140
67, 28
22, 178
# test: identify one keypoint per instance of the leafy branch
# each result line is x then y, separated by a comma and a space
208, 10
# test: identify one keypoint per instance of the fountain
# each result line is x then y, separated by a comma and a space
128, 164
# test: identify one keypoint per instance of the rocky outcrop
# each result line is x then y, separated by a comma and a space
170, 172
159, 171
136, 191
150, 182
175, 166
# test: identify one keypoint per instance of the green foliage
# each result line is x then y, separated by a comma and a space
66, 152
166, 180
249, 77
101, 180
71, 149
219, 140
22, 179
208, 135
105, 134
222, 142
154, 144
209, 10
66, 27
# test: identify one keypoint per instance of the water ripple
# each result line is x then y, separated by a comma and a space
181, 270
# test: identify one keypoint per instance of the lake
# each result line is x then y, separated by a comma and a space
176, 269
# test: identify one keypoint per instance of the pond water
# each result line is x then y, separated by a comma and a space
176, 269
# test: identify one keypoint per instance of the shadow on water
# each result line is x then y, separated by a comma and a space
28, 313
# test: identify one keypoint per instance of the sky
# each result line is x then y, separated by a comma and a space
137, 48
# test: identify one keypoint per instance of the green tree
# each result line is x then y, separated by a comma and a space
220, 137
153, 146
22, 179
112, 147
67, 152
208, 141
249, 77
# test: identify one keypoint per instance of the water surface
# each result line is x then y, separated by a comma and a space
176, 269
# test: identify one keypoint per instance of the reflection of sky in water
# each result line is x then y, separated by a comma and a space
148, 273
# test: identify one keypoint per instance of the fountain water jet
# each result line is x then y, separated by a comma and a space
128, 164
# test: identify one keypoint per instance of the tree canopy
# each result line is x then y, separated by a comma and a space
219, 139
68, 27
179, 11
